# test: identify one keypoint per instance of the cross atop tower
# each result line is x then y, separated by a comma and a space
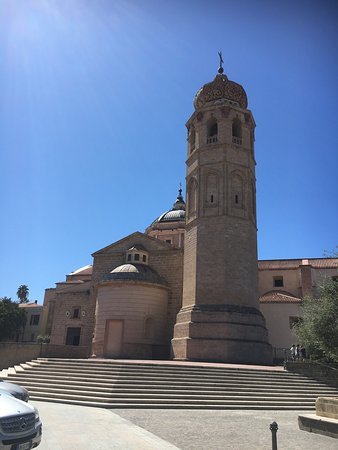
220, 70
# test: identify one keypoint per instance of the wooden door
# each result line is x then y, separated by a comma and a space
113, 338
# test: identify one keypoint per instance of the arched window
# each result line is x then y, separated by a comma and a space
212, 131
192, 138
237, 131
237, 191
192, 198
211, 195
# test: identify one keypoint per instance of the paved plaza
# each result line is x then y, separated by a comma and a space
70, 427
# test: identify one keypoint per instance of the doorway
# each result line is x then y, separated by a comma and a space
113, 338
73, 336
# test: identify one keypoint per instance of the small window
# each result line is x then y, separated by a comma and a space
211, 198
76, 313
137, 257
236, 199
35, 319
278, 281
129, 257
73, 336
168, 241
144, 258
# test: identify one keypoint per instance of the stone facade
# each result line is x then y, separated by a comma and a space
69, 306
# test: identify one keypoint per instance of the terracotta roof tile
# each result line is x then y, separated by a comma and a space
324, 263
279, 297
317, 263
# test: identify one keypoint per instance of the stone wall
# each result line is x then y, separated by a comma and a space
14, 353
64, 351
321, 372
291, 281
131, 303
169, 265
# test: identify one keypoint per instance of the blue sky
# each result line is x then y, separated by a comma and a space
94, 96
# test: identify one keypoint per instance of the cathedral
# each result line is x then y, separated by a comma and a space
190, 287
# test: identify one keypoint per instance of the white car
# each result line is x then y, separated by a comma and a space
14, 389
20, 424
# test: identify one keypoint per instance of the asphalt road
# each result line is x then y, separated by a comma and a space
69, 427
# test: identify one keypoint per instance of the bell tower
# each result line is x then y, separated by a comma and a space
220, 318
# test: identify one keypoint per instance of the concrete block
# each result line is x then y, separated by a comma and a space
317, 424
327, 407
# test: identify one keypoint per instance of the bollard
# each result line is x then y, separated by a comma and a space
274, 428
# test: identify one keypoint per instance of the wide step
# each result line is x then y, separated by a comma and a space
112, 384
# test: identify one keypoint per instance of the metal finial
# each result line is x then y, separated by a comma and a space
180, 190
220, 70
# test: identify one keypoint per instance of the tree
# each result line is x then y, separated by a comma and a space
318, 327
22, 293
331, 253
12, 319
43, 339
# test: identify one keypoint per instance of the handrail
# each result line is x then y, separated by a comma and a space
317, 370
324, 365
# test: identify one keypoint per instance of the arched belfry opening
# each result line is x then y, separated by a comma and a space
212, 131
237, 131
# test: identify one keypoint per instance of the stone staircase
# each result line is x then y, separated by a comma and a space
114, 384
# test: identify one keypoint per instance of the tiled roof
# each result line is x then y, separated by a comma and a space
279, 297
322, 263
135, 272
317, 263
171, 216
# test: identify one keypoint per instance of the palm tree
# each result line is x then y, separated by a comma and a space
22, 293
